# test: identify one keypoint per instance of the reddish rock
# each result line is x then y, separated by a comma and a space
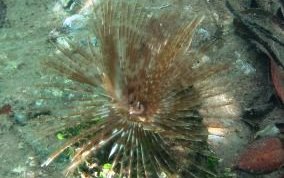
6, 109
262, 156
277, 76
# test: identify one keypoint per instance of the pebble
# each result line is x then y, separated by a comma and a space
75, 22
20, 118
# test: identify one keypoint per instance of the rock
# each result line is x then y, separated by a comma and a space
277, 76
262, 28
75, 22
269, 130
262, 156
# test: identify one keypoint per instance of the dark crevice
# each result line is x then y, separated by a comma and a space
253, 4
280, 14
3, 13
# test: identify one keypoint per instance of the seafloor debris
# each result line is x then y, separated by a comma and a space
262, 156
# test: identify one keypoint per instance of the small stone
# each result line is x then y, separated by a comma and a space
19, 170
269, 130
21, 145
75, 22
31, 161
20, 118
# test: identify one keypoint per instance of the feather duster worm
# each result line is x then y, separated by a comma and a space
137, 95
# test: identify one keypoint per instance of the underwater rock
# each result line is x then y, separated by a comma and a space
265, 29
274, 6
269, 130
277, 76
262, 156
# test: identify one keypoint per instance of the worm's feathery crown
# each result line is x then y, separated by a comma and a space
141, 86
